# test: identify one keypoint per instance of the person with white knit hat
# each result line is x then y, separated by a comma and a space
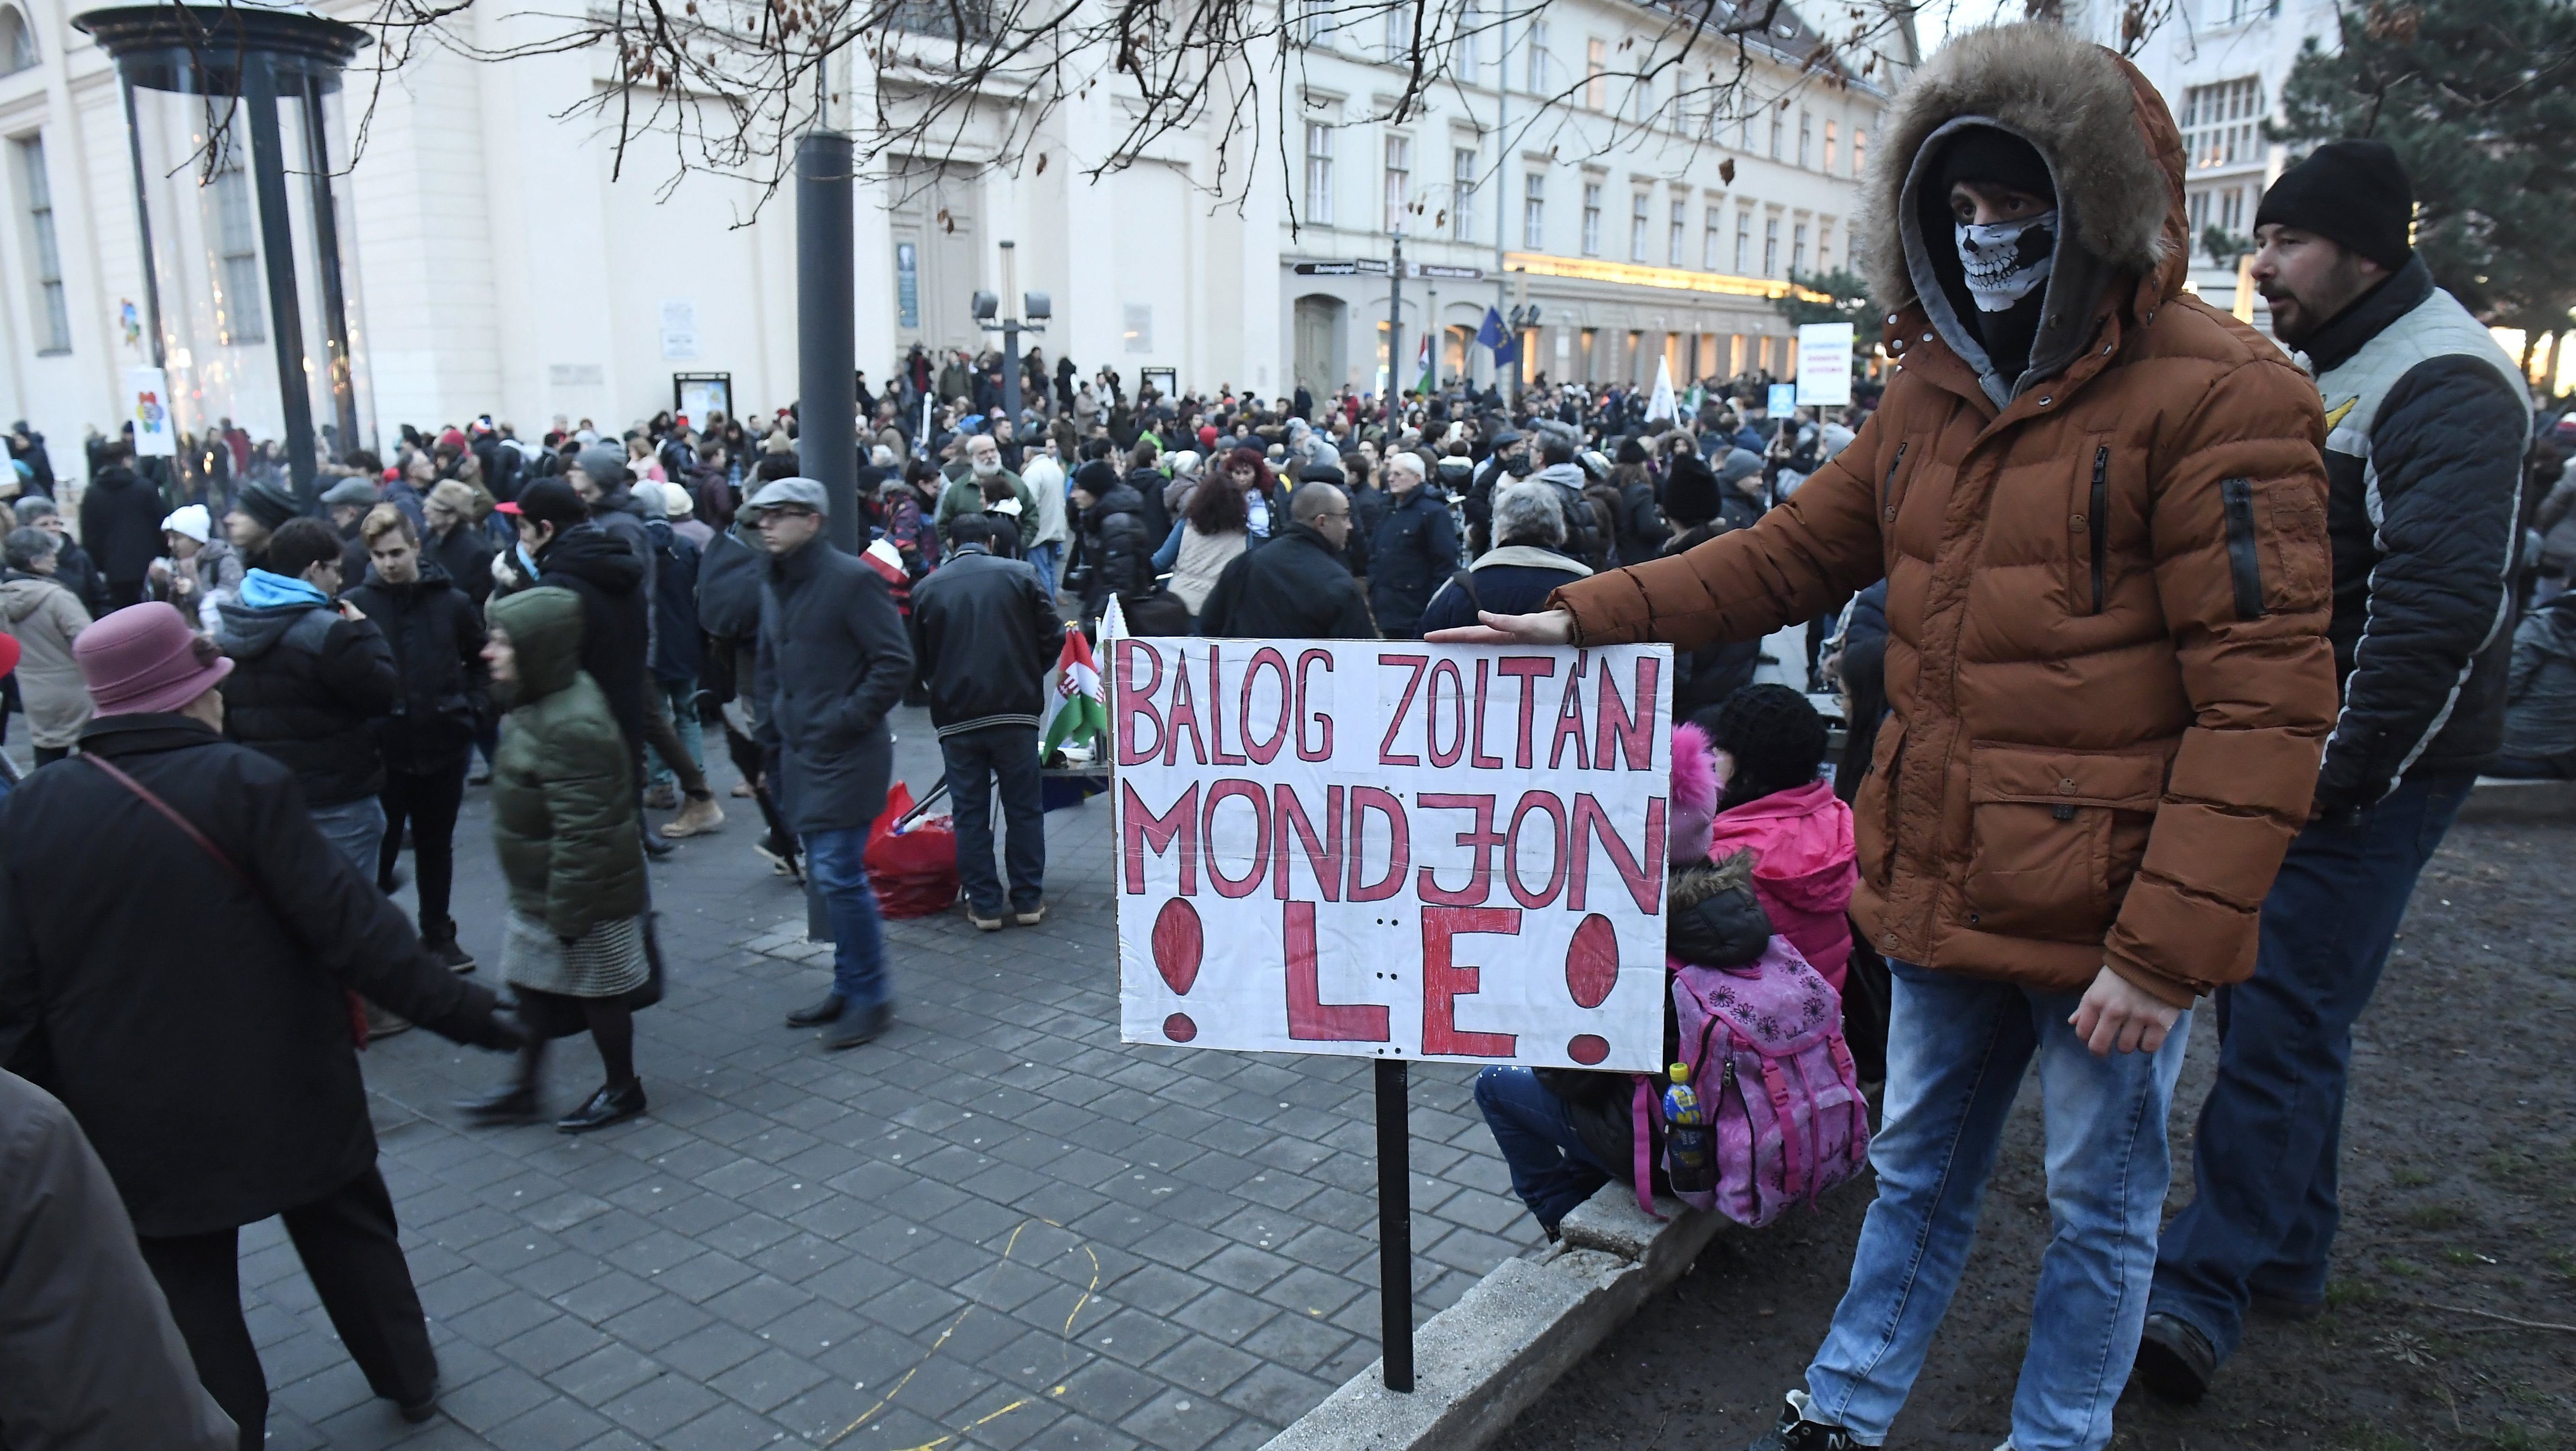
201, 570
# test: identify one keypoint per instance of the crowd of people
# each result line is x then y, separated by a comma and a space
2144, 676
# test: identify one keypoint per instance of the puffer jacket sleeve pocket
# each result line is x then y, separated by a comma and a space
2055, 836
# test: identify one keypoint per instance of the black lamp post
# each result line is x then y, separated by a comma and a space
243, 58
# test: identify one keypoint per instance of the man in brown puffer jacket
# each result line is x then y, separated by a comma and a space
2099, 506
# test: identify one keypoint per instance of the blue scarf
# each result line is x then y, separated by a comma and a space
262, 590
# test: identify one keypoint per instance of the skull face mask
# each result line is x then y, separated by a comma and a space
2005, 261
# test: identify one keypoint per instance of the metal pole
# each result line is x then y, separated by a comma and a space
1395, 1222
1011, 337
1502, 174
1394, 331
326, 248
826, 328
277, 248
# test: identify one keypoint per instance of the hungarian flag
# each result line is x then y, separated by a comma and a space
1077, 711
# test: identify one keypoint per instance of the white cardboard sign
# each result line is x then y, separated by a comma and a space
1392, 849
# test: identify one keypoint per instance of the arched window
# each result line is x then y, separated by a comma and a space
17, 41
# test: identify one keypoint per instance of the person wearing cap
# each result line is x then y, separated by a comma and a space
120, 517
185, 992
258, 510
347, 502
833, 661
2100, 508
560, 546
197, 570
678, 653
46, 619
2427, 420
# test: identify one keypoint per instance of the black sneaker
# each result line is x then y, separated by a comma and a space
1795, 1434
2175, 1360
511, 1103
863, 1026
607, 1106
452, 957
816, 1015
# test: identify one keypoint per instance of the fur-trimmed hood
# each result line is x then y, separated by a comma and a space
2105, 133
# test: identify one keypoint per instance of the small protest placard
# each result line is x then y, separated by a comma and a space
1392, 849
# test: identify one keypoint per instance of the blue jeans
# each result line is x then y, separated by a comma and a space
1551, 1170
2265, 1216
357, 828
976, 761
1049, 559
679, 700
1957, 1050
835, 862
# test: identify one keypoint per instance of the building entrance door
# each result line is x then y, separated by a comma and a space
1318, 350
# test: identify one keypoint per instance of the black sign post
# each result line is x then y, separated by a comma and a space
1395, 1220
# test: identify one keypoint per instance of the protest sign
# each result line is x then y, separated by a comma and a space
1392, 849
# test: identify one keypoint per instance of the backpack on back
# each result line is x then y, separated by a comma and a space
1776, 1084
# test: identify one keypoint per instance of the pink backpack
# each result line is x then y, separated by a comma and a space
1765, 1046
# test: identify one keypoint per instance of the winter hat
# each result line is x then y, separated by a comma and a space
1740, 464
349, 491
1694, 795
1995, 157
2354, 193
265, 503
1690, 495
1775, 737
551, 501
1631, 451
675, 502
606, 466
648, 497
143, 659
190, 520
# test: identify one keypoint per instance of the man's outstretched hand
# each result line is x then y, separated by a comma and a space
1548, 627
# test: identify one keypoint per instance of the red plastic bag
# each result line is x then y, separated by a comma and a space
914, 872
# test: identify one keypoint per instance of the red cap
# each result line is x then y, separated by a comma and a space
509, 507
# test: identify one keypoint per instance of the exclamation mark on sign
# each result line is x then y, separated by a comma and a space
1179, 943
1591, 971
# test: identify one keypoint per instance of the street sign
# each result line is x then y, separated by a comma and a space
1368, 266
1439, 270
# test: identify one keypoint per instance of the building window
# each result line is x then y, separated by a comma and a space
2197, 207
53, 316
2222, 124
1770, 246
2240, 11
1779, 122
1471, 24
1399, 181
1860, 144
237, 243
1716, 220
2231, 209
1743, 243
1806, 138
1462, 192
1638, 226
1829, 148
1314, 20
17, 42
1534, 212
1798, 249
1596, 85
1681, 216
1399, 33
1592, 219
1824, 246
1319, 173
1538, 64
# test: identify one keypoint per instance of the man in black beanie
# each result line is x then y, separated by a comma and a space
2426, 424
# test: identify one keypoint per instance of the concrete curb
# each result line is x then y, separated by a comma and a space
1481, 1362
2493, 799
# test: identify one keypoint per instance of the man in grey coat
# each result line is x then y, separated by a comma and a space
833, 660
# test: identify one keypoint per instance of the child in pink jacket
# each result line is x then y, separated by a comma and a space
1768, 744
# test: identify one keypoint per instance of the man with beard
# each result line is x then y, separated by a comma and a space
2427, 420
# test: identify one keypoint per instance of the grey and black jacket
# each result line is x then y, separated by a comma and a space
2426, 425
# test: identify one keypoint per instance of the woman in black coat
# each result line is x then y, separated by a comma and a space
186, 992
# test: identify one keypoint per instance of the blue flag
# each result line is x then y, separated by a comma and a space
1491, 335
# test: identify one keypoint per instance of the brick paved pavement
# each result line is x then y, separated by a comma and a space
995, 1227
